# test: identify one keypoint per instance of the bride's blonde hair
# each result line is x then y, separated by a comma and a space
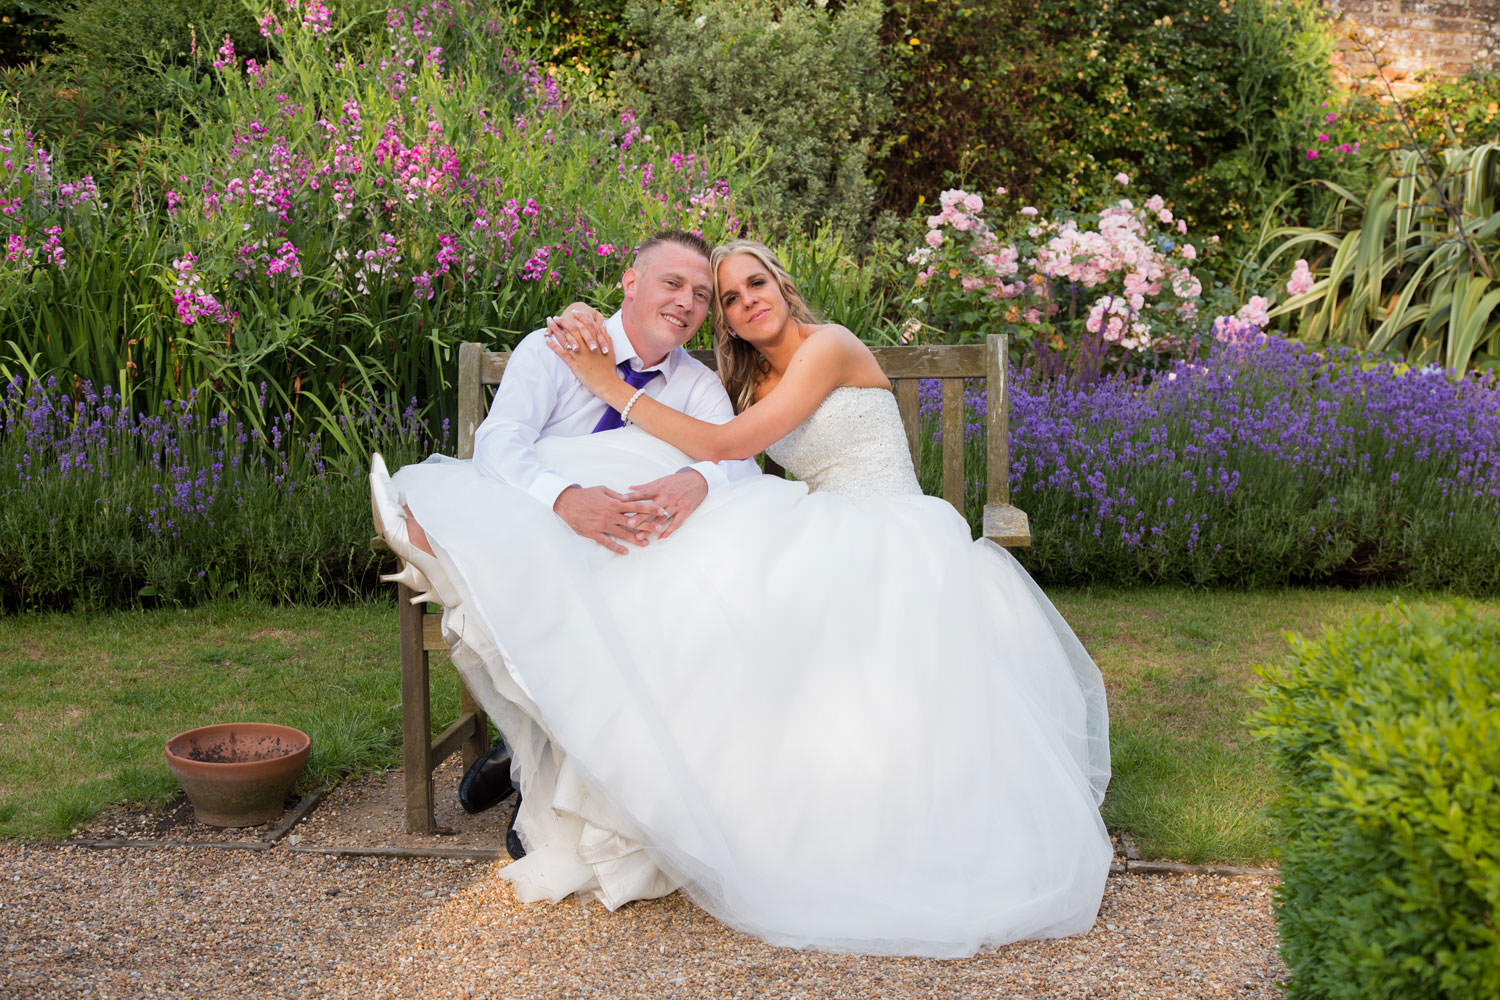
741, 367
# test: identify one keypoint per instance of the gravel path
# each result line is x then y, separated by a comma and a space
202, 922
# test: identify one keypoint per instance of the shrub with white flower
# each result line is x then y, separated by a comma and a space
1123, 274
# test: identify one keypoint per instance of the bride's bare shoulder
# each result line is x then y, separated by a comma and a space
852, 355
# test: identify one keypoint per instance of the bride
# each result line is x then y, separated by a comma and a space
819, 707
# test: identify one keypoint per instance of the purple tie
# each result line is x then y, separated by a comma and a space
635, 380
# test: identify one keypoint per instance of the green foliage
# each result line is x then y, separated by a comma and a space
1202, 101
1406, 266
87, 110
968, 79
27, 31
805, 82
588, 35
1385, 735
104, 86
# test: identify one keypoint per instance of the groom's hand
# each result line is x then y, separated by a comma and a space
675, 497
607, 517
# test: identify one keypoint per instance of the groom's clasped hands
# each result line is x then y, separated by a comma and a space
649, 511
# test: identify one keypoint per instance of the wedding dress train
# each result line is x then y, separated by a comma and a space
819, 708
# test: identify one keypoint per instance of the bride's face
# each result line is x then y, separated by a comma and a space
751, 299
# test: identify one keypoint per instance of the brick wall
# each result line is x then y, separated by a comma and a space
1414, 35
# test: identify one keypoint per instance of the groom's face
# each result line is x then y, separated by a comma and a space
666, 299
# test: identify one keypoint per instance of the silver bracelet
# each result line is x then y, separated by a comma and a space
625, 413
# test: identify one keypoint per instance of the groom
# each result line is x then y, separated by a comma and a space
667, 292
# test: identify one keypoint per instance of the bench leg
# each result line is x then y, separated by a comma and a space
416, 716
478, 743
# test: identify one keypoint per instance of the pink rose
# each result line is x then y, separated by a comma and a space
1301, 281
1122, 178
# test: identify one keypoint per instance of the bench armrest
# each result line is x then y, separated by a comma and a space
1006, 525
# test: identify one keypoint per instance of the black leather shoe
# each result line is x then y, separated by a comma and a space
487, 781
513, 845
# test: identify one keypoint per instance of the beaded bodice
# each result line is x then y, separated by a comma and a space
853, 444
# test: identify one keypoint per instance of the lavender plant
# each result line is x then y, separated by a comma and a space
1263, 464
103, 507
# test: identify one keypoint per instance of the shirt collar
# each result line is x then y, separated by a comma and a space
625, 350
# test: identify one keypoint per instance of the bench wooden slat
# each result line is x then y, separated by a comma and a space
953, 442
453, 738
997, 430
932, 361
432, 634
910, 405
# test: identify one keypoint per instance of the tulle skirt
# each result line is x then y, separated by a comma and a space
836, 723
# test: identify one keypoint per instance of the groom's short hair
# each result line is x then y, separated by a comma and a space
682, 238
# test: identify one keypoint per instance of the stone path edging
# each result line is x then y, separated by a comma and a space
1131, 864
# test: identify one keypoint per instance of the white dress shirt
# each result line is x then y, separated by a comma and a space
540, 397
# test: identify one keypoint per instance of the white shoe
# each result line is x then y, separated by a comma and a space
420, 570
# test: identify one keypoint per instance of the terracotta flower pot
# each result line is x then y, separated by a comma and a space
238, 773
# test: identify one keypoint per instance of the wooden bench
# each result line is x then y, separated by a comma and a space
906, 366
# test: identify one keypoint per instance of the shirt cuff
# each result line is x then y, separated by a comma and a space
548, 486
711, 473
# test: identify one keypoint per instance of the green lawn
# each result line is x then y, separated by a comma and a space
1189, 780
90, 699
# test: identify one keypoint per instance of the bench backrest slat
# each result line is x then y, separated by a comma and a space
906, 367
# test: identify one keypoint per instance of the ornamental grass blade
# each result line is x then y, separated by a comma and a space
1331, 320
1404, 181
1469, 320
1401, 315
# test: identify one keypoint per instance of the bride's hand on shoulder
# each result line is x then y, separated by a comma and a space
581, 326
584, 348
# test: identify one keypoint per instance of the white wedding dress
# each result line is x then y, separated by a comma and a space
820, 708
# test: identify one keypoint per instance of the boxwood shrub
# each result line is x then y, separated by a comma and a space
1386, 740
